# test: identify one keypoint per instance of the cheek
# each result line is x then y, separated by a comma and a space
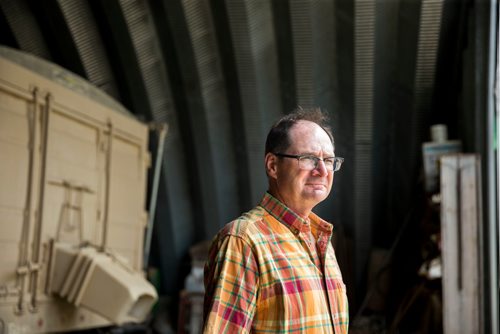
292, 181
303, 177
330, 181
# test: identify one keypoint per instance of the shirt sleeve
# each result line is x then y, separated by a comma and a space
231, 285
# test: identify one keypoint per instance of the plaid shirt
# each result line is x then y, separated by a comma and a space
261, 275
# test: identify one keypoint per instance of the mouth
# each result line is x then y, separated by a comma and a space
316, 185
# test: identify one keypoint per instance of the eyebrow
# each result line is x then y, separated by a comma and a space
332, 155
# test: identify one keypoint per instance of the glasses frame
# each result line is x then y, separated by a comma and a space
316, 160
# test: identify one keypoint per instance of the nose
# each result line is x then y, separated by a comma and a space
321, 168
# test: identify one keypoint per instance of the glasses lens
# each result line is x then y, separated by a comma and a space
337, 164
307, 163
311, 162
329, 163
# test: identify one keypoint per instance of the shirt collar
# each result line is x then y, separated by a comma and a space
295, 222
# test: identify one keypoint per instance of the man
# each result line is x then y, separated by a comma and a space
273, 270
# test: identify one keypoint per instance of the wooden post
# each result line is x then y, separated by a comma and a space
462, 244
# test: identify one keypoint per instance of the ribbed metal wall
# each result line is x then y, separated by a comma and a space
254, 47
25, 28
314, 44
325, 78
427, 52
364, 53
216, 113
143, 34
302, 21
175, 223
90, 46
325, 46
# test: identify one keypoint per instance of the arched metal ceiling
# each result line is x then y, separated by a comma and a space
220, 72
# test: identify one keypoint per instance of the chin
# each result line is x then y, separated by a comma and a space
317, 195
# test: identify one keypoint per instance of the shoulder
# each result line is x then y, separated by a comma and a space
236, 243
246, 227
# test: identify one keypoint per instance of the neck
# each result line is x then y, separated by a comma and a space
301, 211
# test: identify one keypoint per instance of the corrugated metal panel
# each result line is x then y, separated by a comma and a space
301, 19
204, 45
427, 51
255, 53
143, 35
364, 49
325, 74
180, 222
84, 30
25, 28
201, 30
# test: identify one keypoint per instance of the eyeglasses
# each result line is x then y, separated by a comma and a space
310, 162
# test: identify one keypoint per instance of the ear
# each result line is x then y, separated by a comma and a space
271, 164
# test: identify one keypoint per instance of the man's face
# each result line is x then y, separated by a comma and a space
299, 189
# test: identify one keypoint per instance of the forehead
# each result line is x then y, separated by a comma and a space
307, 136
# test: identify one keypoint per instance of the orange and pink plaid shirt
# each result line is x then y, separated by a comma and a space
265, 275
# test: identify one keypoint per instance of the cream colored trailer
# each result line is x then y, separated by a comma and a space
73, 166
